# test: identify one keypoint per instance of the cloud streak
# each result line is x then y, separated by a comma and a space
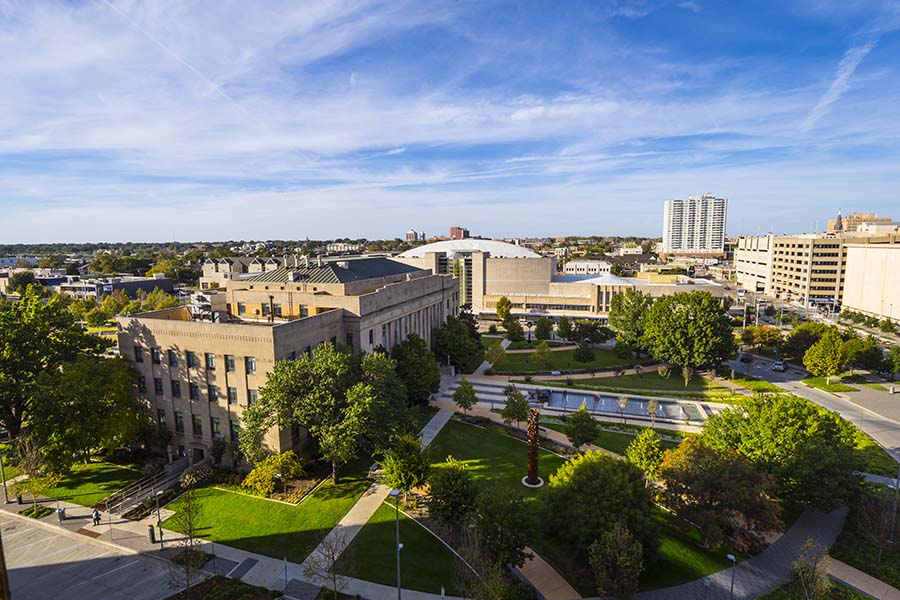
840, 85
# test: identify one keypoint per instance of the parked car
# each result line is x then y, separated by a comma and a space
745, 357
779, 366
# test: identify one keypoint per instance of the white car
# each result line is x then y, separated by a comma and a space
779, 366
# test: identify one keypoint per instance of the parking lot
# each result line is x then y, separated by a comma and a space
44, 564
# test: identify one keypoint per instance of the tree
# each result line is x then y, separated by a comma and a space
514, 331
543, 355
825, 357
495, 354
418, 368
19, 282
584, 353
36, 338
873, 518
406, 464
453, 493
185, 571
543, 330
811, 569
39, 480
591, 330
719, 490
627, 312
344, 402
454, 342
464, 395
581, 428
803, 336
863, 354
505, 525
564, 328
689, 329
808, 450
329, 561
84, 406
504, 308
646, 453
622, 402
589, 494
516, 408
892, 360
616, 560
284, 467
217, 450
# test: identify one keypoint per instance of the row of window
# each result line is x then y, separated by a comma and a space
197, 424
212, 391
192, 360
265, 310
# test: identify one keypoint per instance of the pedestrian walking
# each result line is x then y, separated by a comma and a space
96, 516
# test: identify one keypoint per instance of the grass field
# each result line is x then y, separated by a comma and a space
835, 386
651, 383
561, 360
855, 547
275, 529
614, 441
875, 458
426, 564
492, 456
90, 483
794, 591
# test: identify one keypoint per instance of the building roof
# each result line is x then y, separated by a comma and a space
605, 279
344, 269
496, 248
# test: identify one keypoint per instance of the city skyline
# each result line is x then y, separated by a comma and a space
130, 122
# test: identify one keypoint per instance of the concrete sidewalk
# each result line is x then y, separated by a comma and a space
861, 582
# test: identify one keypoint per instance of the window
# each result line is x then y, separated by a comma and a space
173, 358
265, 309
276, 308
191, 359
194, 391
214, 427
242, 309
176, 389
234, 428
304, 311
154, 355
232, 395
210, 361
229, 363
213, 393
251, 397
250, 364
179, 422
138, 354
371, 336
349, 339
142, 383
158, 386
197, 422
161, 417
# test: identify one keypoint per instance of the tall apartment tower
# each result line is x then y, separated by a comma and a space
459, 233
695, 226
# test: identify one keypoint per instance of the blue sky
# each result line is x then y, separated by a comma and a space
140, 120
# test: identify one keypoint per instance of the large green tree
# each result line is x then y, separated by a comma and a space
810, 451
564, 328
406, 464
504, 307
505, 525
719, 490
646, 453
516, 407
454, 342
627, 312
802, 337
418, 368
36, 337
345, 404
19, 282
453, 493
617, 561
689, 329
826, 357
581, 428
543, 329
464, 396
589, 494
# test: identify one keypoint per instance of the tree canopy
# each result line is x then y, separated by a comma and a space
581, 428
454, 341
627, 312
418, 368
826, 357
543, 329
646, 453
504, 307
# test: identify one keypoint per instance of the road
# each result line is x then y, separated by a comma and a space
883, 427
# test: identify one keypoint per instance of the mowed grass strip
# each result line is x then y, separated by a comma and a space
492, 456
426, 564
614, 441
271, 528
88, 484
561, 360
651, 383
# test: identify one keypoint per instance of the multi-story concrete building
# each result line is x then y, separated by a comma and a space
218, 272
200, 366
488, 270
807, 269
852, 221
695, 226
870, 280
459, 233
586, 267
98, 287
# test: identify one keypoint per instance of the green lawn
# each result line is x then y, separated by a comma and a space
487, 342
425, 563
651, 383
834, 386
793, 591
614, 441
756, 385
492, 456
875, 458
875, 386
9, 470
562, 360
275, 529
90, 483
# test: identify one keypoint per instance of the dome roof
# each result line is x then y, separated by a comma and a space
497, 249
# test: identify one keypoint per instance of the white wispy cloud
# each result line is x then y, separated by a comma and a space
840, 85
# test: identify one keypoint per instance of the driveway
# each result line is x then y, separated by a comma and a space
47, 563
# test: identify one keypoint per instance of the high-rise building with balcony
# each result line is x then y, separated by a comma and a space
695, 226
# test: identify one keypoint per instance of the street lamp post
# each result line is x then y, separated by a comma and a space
3, 475
529, 324
395, 493
733, 562
159, 519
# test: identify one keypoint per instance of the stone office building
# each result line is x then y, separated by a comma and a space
200, 366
